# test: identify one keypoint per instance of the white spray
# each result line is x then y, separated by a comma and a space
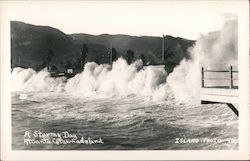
30, 80
217, 50
121, 80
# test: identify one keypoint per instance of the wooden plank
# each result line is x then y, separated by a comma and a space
216, 71
220, 91
219, 95
219, 99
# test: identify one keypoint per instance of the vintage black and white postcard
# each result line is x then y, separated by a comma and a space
124, 80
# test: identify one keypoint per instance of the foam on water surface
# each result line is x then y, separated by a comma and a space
129, 106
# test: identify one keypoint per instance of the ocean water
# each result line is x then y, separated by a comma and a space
124, 123
127, 107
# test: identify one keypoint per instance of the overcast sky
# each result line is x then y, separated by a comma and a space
185, 19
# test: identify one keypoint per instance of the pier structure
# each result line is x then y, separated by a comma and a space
221, 87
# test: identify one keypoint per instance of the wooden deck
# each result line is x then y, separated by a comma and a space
220, 93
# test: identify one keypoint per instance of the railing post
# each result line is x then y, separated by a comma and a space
202, 77
231, 76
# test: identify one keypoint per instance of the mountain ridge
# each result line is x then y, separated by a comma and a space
29, 45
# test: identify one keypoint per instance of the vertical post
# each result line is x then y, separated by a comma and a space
111, 53
202, 77
162, 50
231, 76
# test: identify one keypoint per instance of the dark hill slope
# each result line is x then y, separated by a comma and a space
150, 46
30, 44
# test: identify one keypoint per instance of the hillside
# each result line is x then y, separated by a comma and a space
30, 44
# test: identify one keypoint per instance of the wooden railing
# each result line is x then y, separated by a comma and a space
230, 80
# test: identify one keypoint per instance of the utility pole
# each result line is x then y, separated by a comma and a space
162, 50
19, 60
111, 53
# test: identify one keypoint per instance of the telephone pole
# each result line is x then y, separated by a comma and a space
162, 50
111, 53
